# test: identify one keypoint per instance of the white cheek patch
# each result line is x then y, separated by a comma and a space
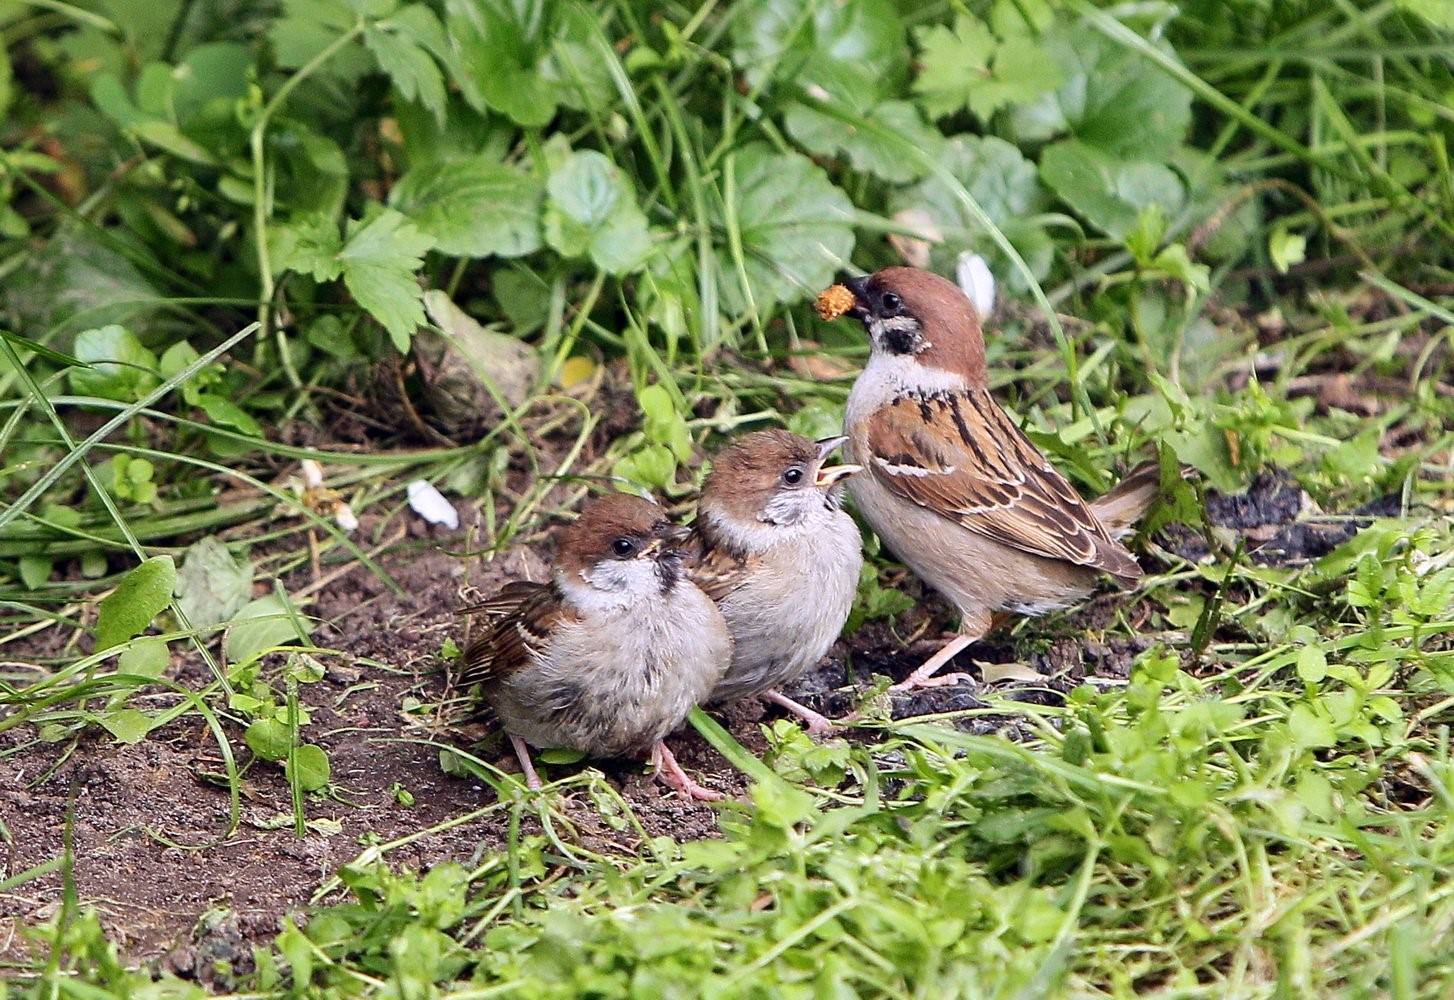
613, 583
788, 508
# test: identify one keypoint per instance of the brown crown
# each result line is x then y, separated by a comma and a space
604, 519
749, 471
946, 318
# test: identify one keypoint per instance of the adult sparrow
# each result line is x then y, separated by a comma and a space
612, 653
772, 546
951, 485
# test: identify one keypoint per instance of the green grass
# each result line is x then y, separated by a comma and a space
217, 218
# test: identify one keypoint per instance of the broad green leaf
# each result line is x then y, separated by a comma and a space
206, 81
796, 229
402, 47
1004, 184
212, 586
74, 278
221, 410
309, 245
270, 739
591, 210
473, 207
827, 136
309, 767
258, 627
127, 724
1286, 248
525, 60
379, 260
145, 658
1111, 98
852, 50
1309, 729
121, 368
967, 66
138, 598
1108, 192
307, 27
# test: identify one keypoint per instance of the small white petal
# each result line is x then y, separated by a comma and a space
430, 504
312, 473
975, 279
345, 518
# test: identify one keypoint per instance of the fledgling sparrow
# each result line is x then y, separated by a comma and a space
950, 484
612, 653
772, 546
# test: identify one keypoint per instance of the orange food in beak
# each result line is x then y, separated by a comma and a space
834, 302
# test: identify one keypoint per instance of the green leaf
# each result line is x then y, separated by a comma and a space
258, 627
270, 739
309, 767
1309, 729
1004, 183
796, 229
35, 571
212, 586
127, 724
473, 207
145, 658
853, 50
1286, 248
309, 245
1312, 664
402, 46
140, 597
591, 210
966, 66
122, 369
221, 410
825, 135
379, 260
1108, 192
1111, 98
525, 60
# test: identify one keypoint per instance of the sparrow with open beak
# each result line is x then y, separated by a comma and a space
772, 546
951, 485
612, 654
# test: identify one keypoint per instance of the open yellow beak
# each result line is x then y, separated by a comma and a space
831, 474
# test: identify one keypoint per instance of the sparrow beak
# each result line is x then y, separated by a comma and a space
830, 475
859, 287
668, 535
828, 445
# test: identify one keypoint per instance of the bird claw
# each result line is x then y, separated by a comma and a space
669, 772
815, 723
914, 682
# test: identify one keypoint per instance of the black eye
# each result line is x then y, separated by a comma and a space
623, 547
793, 476
891, 302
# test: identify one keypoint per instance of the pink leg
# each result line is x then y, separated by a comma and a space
817, 725
522, 751
924, 675
670, 772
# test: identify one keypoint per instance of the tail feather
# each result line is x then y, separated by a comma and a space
1120, 507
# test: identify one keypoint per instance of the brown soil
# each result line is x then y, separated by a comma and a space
192, 906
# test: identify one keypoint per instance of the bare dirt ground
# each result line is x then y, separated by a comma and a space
148, 818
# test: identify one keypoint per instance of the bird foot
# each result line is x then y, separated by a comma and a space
924, 676
669, 772
815, 723
915, 682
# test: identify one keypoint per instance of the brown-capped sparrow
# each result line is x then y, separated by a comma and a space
772, 546
950, 484
612, 653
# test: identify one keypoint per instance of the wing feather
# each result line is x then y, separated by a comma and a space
959, 455
519, 622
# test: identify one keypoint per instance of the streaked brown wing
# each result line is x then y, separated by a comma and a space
715, 569
959, 455
523, 617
